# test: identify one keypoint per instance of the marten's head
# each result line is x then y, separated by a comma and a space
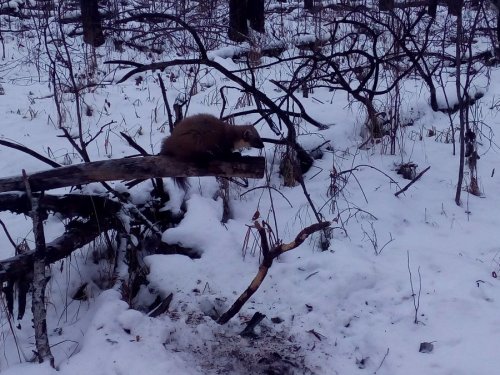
248, 138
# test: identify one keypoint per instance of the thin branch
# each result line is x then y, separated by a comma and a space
167, 105
268, 187
382, 362
416, 298
133, 144
8, 234
412, 181
308, 197
29, 151
303, 112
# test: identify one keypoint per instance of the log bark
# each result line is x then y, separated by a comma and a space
132, 168
69, 205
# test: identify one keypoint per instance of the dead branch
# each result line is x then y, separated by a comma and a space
134, 144
249, 330
29, 151
268, 258
131, 168
162, 307
412, 181
303, 112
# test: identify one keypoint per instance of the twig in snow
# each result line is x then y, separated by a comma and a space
382, 362
318, 335
412, 181
416, 297
162, 307
249, 329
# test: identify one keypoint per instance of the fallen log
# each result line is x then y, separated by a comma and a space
69, 205
77, 235
134, 168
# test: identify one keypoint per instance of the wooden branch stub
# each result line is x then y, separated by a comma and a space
132, 168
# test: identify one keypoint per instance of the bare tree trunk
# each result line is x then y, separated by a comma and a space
455, 7
308, 4
255, 14
238, 28
462, 108
498, 32
432, 10
385, 5
91, 22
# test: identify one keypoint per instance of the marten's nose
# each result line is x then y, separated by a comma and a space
257, 143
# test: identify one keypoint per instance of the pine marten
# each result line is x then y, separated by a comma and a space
203, 137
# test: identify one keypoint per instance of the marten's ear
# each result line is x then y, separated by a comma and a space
247, 135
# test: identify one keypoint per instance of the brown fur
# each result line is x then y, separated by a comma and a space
203, 137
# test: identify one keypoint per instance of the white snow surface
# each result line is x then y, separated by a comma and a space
343, 311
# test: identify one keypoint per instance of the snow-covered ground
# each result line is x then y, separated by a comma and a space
348, 310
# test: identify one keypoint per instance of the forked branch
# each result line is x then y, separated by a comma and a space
269, 256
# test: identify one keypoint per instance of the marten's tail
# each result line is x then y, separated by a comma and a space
182, 182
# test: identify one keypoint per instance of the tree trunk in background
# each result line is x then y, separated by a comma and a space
455, 6
462, 107
308, 4
498, 30
255, 14
432, 10
385, 5
238, 29
496, 4
91, 22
